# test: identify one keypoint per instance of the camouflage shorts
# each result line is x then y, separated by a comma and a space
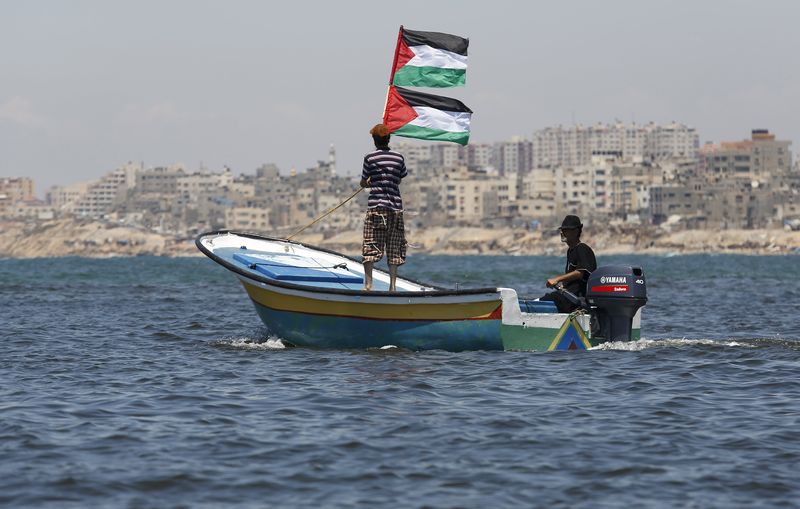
384, 233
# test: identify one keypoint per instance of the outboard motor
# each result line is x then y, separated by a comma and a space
614, 294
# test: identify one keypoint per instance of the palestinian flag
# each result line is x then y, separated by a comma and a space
429, 59
429, 117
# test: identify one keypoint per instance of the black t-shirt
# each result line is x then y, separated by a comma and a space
580, 257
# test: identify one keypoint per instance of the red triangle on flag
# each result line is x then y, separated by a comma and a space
398, 112
404, 55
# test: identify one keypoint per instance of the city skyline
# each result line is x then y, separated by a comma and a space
648, 175
90, 86
403, 144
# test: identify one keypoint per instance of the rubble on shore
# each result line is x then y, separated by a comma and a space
96, 239
66, 237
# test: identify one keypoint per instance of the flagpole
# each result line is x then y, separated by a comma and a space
386, 103
396, 53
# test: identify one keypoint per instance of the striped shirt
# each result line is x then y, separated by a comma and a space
385, 168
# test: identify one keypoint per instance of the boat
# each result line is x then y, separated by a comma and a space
313, 297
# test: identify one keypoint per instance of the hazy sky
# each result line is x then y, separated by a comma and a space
89, 85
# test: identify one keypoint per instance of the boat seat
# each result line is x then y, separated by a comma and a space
302, 269
537, 306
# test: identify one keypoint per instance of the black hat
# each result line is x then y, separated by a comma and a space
570, 222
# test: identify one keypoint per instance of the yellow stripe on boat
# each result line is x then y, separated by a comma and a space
482, 310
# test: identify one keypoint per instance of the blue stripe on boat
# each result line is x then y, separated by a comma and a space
337, 332
537, 306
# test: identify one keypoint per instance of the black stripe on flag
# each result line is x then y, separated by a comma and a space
437, 40
439, 102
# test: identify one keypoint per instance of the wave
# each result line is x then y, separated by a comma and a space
644, 344
245, 343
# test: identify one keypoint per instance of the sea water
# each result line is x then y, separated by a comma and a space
150, 382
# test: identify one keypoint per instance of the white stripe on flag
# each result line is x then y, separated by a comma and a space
425, 56
450, 121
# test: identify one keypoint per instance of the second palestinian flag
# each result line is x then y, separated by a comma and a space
429, 59
425, 116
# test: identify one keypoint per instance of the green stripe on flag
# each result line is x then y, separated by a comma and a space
411, 76
425, 133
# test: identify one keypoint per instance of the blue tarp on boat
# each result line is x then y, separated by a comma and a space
296, 269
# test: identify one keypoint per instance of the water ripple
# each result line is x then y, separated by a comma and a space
120, 388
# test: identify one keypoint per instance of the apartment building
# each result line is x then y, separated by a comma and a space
740, 184
103, 195
473, 196
192, 185
574, 146
64, 198
480, 155
251, 219
17, 188
758, 159
14, 190
162, 179
681, 200
506, 157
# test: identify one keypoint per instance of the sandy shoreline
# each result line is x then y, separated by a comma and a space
95, 239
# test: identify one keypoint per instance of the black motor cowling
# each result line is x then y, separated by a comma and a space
614, 294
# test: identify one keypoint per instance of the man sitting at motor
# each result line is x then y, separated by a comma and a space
580, 263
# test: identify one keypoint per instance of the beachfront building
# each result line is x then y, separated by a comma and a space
610, 186
161, 179
241, 188
191, 187
537, 192
17, 188
17, 200
33, 210
741, 176
629, 192
573, 190
480, 155
249, 219
741, 184
415, 154
574, 146
472, 196
448, 155
63, 199
110, 190
787, 196
514, 156
670, 141
14, 190
678, 201
757, 159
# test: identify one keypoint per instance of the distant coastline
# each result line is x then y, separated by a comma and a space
100, 240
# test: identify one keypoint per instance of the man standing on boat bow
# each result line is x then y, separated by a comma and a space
580, 263
384, 231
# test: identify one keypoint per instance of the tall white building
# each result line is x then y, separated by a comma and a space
103, 194
191, 186
413, 153
573, 146
513, 156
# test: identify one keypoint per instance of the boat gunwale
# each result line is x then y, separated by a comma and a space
436, 292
